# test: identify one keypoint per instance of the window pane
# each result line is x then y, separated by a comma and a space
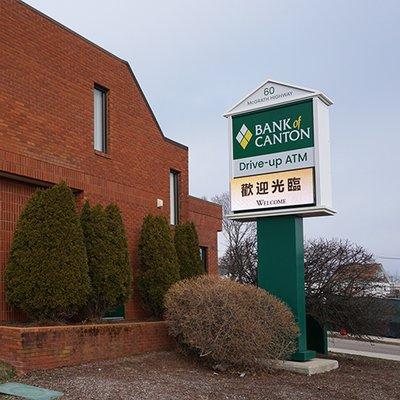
203, 256
99, 120
173, 198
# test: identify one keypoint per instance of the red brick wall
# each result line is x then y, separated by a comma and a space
57, 346
46, 130
207, 218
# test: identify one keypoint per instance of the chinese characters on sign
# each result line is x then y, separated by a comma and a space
277, 185
247, 189
294, 184
281, 189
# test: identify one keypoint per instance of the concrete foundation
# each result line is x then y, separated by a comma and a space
315, 366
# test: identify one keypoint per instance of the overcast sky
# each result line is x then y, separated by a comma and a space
195, 59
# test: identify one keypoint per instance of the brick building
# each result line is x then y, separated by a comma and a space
71, 111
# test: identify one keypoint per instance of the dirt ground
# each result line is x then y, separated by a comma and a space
168, 375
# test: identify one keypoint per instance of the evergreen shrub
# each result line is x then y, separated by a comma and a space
188, 251
47, 272
158, 266
108, 258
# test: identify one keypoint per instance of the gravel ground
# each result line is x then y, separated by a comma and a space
168, 375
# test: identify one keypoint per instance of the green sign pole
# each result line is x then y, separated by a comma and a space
281, 269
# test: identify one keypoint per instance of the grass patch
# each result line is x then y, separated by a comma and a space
6, 372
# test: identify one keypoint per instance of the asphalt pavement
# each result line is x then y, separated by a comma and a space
364, 348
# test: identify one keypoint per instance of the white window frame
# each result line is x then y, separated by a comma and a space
100, 119
174, 197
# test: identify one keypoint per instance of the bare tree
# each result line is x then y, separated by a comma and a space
395, 277
342, 283
342, 279
240, 239
394, 285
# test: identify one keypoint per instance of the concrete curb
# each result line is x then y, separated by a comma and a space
374, 339
381, 356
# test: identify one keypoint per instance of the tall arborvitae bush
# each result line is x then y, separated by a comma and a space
47, 272
120, 253
108, 259
158, 263
187, 250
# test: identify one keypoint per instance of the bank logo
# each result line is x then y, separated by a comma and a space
244, 136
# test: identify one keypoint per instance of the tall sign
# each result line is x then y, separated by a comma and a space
280, 173
280, 153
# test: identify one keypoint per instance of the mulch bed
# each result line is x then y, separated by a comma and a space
168, 375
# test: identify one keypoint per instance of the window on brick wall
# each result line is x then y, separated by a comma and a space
100, 118
174, 197
203, 256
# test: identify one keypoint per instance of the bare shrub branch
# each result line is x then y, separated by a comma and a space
342, 283
222, 321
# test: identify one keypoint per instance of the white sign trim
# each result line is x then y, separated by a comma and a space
242, 106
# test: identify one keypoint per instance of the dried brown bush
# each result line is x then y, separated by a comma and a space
225, 322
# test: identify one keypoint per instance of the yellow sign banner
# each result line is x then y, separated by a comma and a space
276, 190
